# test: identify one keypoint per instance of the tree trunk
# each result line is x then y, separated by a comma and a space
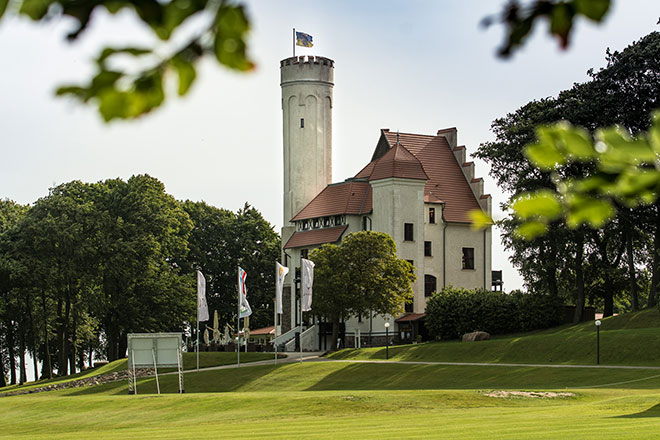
608, 309
3, 382
552, 271
33, 338
73, 343
47, 368
61, 360
123, 345
634, 300
21, 355
12, 352
655, 278
579, 279
66, 343
335, 334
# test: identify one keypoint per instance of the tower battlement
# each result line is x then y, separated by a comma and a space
307, 59
307, 68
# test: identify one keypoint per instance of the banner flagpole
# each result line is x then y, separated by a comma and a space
294, 42
198, 343
238, 323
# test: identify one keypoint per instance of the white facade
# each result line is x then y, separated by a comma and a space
444, 252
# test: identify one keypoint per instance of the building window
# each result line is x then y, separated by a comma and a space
468, 258
409, 307
366, 223
326, 222
408, 232
304, 253
430, 285
317, 223
412, 263
302, 122
428, 250
338, 220
432, 215
305, 225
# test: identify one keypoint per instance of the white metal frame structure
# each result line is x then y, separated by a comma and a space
153, 350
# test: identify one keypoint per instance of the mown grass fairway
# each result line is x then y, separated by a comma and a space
332, 400
353, 399
630, 339
206, 359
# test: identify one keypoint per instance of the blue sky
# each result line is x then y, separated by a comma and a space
416, 66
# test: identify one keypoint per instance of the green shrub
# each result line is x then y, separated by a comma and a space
453, 312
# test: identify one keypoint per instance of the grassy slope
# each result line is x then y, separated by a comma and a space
206, 359
343, 400
631, 339
349, 400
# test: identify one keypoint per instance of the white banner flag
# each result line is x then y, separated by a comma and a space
280, 273
243, 305
202, 307
306, 284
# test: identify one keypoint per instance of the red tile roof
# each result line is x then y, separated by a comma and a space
350, 197
416, 156
410, 317
398, 162
263, 331
315, 236
446, 179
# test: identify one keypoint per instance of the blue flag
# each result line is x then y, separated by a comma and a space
303, 39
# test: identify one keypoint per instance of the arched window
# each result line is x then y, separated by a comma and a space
430, 285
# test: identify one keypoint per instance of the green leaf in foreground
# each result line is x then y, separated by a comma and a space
587, 210
232, 27
3, 6
186, 73
545, 154
540, 204
480, 220
531, 229
592, 9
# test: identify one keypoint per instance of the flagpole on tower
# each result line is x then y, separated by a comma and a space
294, 42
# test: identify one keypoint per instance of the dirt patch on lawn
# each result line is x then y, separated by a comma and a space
529, 394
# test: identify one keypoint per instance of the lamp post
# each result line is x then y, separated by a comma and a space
387, 340
597, 341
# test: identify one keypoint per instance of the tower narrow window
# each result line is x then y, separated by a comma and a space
468, 258
408, 232
302, 122
432, 215
430, 285
428, 249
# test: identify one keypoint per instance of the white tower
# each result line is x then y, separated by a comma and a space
307, 121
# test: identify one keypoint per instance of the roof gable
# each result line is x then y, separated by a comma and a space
446, 181
398, 162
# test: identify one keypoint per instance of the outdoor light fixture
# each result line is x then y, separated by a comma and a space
387, 340
597, 341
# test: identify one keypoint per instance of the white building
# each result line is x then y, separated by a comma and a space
417, 188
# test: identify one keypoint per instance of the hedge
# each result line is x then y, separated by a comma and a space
452, 312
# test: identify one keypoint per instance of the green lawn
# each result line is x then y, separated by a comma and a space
345, 400
206, 359
631, 339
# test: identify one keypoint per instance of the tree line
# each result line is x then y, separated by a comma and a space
617, 266
91, 262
